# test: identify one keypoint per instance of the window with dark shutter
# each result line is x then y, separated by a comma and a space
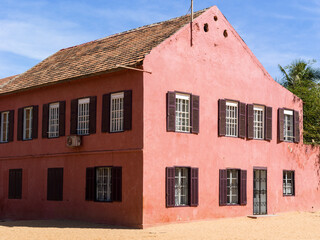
55, 184
45, 120
171, 112
90, 184
243, 187
296, 127
195, 114
127, 110
35, 122
268, 124
116, 175
250, 117
62, 118
74, 116
280, 124
20, 124
222, 187
105, 125
194, 185
15, 184
11, 126
242, 120
222, 117
170, 186
92, 114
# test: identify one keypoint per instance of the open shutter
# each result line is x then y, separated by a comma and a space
242, 120
62, 118
127, 110
243, 187
105, 125
11, 126
194, 185
222, 117
74, 116
171, 112
35, 122
116, 175
296, 127
195, 114
281, 124
92, 114
90, 183
268, 124
250, 116
20, 124
45, 120
222, 187
170, 183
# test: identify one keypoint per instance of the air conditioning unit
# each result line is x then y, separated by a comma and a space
73, 141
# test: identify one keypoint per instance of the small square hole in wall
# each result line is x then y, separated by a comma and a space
206, 27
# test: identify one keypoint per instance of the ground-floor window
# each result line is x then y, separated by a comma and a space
232, 186
181, 186
288, 183
103, 184
15, 184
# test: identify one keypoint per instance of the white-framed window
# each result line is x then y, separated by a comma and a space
4, 126
182, 112
288, 183
288, 126
27, 123
83, 116
232, 186
258, 122
231, 119
181, 186
103, 184
116, 114
53, 120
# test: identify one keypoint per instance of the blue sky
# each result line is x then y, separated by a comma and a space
276, 31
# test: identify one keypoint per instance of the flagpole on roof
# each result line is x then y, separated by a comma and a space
191, 21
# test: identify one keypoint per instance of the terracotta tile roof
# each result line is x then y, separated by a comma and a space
4, 81
127, 48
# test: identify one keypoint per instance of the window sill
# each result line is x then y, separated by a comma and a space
103, 201
4, 142
117, 131
288, 195
27, 139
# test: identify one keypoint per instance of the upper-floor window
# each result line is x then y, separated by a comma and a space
288, 183
258, 122
182, 112
231, 119
83, 116
288, 126
27, 123
116, 112
53, 120
4, 126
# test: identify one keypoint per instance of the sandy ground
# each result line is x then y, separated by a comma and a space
296, 225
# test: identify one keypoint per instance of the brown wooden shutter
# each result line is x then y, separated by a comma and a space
296, 126
222, 187
92, 114
250, 116
116, 176
20, 124
127, 110
268, 124
74, 116
222, 117
105, 125
243, 187
242, 120
11, 126
194, 185
170, 184
55, 184
90, 184
45, 120
280, 124
195, 114
62, 118
35, 122
293, 183
15, 184
171, 112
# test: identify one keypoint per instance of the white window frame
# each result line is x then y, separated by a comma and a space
288, 183
4, 127
232, 119
103, 184
53, 125
233, 189
83, 116
181, 186
116, 112
258, 122
27, 123
288, 122
183, 109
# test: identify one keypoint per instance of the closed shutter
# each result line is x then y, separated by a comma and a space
242, 120
62, 118
116, 176
296, 129
92, 114
194, 191
127, 110
280, 124
222, 187
15, 184
55, 184
20, 124
243, 187
35, 122
90, 184
250, 116
195, 114
170, 185
74, 116
45, 120
222, 117
171, 112
268, 124
105, 125
11, 126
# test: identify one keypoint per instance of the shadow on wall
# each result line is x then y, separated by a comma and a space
317, 165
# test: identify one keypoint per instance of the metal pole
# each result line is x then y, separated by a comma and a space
191, 10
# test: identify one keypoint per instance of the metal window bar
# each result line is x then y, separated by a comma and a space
83, 117
183, 113
4, 126
232, 187
288, 127
27, 123
181, 187
287, 183
103, 184
53, 120
232, 120
116, 115
258, 123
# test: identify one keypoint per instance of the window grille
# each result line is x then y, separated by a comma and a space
288, 182
181, 186
288, 126
232, 186
103, 184
27, 123
232, 119
4, 126
116, 115
53, 120
83, 116
182, 113
258, 122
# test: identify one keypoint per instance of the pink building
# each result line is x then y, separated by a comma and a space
170, 122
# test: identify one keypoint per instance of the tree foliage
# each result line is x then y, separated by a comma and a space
303, 80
